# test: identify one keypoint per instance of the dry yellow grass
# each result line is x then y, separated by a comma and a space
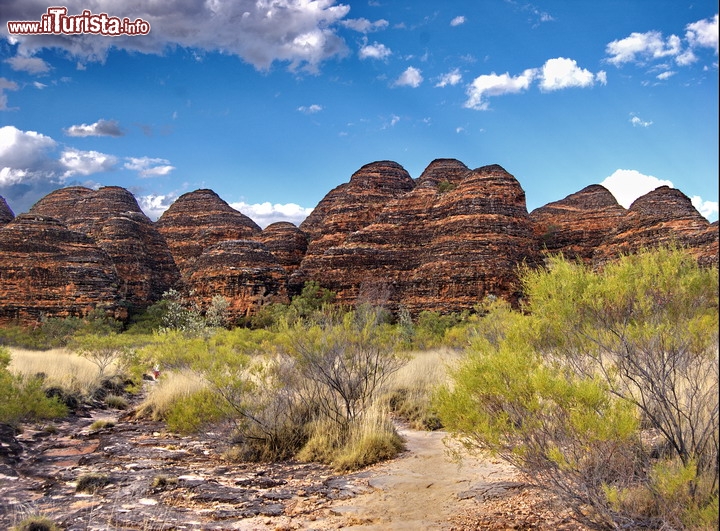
172, 387
60, 367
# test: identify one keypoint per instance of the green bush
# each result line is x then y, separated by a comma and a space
570, 390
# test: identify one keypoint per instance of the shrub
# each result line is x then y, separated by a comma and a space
116, 402
568, 391
91, 482
22, 398
101, 424
36, 523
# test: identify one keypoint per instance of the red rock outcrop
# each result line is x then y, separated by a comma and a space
48, 270
455, 238
663, 216
286, 242
354, 205
198, 220
6, 213
577, 225
112, 218
244, 272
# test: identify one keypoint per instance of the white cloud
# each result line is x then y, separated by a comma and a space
99, 128
5, 84
374, 51
85, 163
561, 73
703, 33
411, 77
641, 48
636, 121
300, 33
709, 209
312, 109
363, 25
457, 21
28, 167
451, 78
153, 205
31, 65
665, 75
149, 167
266, 213
495, 85
628, 185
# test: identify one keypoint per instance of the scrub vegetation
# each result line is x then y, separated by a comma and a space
602, 386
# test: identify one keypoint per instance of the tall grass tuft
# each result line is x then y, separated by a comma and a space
59, 367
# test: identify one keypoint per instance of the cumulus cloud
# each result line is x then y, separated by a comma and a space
561, 73
556, 74
628, 185
153, 205
78, 162
31, 65
708, 209
411, 77
451, 78
458, 21
29, 168
493, 84
266, 213
5, 84
299, 33
99, 128
374, 51
642, 48
148, 166
363, 25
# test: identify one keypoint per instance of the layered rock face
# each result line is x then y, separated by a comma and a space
48, 270
455, 238
6, 213
286, 242
662, 216
354, 205
577, 225
113, 219
198, 220
244, 272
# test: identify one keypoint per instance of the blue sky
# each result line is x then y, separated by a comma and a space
272, 103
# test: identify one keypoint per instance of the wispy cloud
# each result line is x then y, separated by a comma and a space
5, 84
310, 109
31, 65
148, 166
493, 84
636, 121
458, 21
363, 25
451, 78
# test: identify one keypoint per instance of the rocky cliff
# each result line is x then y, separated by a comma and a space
48, 270
441, 242
112, 218
443, 246
6, 213
198, 220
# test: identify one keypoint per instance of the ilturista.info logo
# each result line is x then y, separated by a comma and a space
57, 22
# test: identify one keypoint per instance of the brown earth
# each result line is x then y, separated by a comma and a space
156, 480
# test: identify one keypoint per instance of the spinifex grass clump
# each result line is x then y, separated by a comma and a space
92, 482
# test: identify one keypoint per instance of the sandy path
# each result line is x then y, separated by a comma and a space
421, 489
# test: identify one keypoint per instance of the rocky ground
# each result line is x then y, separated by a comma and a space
137, 476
